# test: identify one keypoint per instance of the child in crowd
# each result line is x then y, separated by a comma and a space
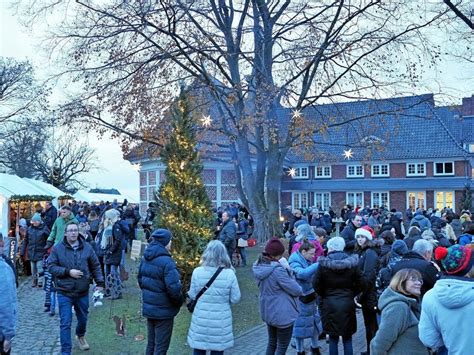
50, 291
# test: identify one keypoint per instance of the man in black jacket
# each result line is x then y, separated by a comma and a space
50, 214
228, 234
348, 233
74, 263
419, 258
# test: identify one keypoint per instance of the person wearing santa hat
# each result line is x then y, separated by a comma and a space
447, 309
368, 265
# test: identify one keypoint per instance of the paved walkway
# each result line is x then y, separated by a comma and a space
37, 332
255, 341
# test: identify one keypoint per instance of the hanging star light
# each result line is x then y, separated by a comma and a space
292, 172
206, 121
296, 114
348, 154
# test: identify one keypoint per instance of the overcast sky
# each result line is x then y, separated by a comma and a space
455, 77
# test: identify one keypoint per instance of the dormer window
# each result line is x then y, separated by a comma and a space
444, 168
301, 173
372, 140
354, 171
416, 169
321, 172
380, 170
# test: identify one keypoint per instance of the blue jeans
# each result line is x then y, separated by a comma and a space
278, 340
346, 342
81, 306
243, 255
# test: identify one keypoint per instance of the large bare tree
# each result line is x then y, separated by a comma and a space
249, 57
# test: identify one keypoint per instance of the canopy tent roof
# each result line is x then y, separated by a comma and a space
86, 196
47, 188
11, 185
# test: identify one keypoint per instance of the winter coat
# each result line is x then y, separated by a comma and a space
422, 221
457, 227
319, 249
64, 258
348, 233
243, 229
211, 322
369, 267
465, 239
159, 280
428, 271
308, 322
59, 226
35, 242
385, 253
337, 282
8, 301
228, 236
278, 290
397, 224
113, 253
81, 218
398, 328
446, 315
50, 217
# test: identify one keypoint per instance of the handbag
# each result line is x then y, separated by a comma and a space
192, 302
242, 243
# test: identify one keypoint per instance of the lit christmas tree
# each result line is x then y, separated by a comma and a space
183, 205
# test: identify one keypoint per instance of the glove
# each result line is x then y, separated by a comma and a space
49, 244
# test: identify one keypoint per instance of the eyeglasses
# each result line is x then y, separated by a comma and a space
72, 231
415, 279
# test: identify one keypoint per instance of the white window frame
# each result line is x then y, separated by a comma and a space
380, 174
355, 175
324, 168
380, 198
298, 172
436, 192
299, 193
352, 201
416, 173
444, 168
325, 208
416, 192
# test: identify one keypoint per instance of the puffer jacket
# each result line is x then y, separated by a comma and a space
465, 239
35, 242
337, 282
64, 258
278, 290
159, 280
446, 315
8, 301
308, 322
398, 329
422, 221
369, 267
211, 322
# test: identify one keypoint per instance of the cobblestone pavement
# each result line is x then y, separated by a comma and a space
255, 341
37, 332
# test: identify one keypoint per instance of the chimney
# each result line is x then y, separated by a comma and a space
467, 107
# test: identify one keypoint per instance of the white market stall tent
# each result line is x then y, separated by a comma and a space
16, 190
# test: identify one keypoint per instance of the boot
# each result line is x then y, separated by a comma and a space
315, 351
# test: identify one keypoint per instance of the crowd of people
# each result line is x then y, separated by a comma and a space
411, 276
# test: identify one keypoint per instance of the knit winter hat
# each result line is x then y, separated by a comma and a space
428, 235
274, 247
456, 260
36, 218
22, 222
299, 223
399, 247
364, 232
162, 235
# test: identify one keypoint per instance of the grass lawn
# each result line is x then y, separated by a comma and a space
101, 327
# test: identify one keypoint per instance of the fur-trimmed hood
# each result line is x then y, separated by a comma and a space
339, 261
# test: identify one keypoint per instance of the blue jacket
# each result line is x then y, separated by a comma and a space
158, 278
466, 239
446, 315
50, 216
8, 302
308, 318
422, 221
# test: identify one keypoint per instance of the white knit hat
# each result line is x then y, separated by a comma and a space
364, 232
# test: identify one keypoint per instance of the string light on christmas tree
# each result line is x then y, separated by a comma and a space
181, 166
292, 172
206, 121
348, 154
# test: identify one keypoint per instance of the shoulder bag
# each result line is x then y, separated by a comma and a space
191, 304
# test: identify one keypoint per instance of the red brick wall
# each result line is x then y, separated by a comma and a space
458, 195
367, 199
338, 200
398, 200
429, 169
285, 199
459, 168
429, 199
398, 170
339, 172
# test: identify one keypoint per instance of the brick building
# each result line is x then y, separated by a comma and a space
400, 153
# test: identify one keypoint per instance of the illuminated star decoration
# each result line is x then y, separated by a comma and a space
348, 154
296, 114
206, 121
292, 172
